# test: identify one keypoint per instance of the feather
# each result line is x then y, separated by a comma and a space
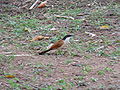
43, 52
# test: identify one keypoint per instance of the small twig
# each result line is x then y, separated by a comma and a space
68, 17
20, 55
76, 40
34, 4
6, 53
91, 34
101, 47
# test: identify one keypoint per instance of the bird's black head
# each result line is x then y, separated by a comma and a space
67, 37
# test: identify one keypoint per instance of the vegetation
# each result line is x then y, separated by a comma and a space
80, 65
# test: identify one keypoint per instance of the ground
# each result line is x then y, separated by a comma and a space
89, 62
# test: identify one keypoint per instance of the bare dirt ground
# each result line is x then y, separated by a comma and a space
85, 65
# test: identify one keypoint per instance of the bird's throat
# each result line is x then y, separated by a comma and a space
67, 40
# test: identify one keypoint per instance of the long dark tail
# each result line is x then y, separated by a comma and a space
43, 52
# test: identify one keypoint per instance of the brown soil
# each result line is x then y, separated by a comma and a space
26, 65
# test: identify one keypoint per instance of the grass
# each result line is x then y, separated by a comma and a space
68, 61
14, 84
105, 70
23, 27
86, 69
101, 72
20, 22
97, 17
60, 52
60, 84
49, 88
94, 79
79, 78
45, 70
64, 85
116, 52
72, 12
6, 59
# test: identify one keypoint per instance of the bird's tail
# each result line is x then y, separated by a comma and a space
43, 52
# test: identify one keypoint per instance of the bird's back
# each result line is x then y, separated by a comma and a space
57, 44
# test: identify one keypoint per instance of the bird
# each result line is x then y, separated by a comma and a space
57, 44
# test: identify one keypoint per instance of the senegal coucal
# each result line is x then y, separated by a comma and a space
57, 44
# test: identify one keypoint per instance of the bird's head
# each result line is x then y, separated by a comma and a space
67, 38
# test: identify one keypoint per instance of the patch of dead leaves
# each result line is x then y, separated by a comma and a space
39, 38
105, 27
9, 76
42, 4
